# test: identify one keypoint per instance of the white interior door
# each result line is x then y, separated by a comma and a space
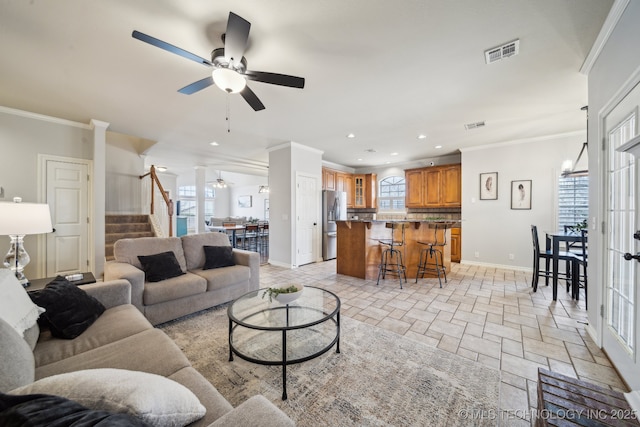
307, 200
67, 193
620, 331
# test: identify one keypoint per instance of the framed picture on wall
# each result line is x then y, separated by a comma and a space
521, 194
244, 201
489, 186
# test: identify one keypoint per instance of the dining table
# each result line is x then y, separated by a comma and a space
226, 228
553, 240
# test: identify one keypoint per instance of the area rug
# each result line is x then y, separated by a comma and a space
379, 378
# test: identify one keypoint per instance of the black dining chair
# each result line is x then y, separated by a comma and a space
580, 278
547, 256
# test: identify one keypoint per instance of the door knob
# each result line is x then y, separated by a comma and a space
629, 257
636, 235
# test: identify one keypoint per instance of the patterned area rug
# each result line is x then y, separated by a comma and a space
379, 378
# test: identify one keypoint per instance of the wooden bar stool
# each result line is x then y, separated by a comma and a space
391, 257
428, 261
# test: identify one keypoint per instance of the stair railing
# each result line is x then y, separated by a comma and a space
167, 201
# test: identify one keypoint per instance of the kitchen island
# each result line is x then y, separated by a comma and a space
359, 251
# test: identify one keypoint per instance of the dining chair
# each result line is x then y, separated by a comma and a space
547, 256
250, 237
580, 279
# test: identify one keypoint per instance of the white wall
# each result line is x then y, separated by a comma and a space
23, 136
124, 165
490, 227
614, 72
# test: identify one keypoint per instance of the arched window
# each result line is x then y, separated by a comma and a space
391, 197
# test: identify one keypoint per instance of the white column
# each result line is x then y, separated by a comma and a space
201, 182
98, 193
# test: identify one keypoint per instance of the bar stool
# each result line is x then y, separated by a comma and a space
428, 261
391, 257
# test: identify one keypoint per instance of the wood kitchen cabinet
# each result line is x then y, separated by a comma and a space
456, 244
344, 182
328, 179
434, 187
364, 190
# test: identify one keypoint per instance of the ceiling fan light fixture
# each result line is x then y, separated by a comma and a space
228, 80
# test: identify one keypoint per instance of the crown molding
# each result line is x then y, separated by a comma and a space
609, 25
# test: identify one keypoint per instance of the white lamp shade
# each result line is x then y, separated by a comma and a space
228, 80
24, 218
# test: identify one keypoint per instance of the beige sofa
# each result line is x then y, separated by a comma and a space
194, 291
121, 338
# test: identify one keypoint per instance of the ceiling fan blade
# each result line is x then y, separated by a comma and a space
275, 79
197, 86
169, 47
252, 99
235, 39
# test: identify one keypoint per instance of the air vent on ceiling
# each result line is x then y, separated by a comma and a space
475, 125
501, 52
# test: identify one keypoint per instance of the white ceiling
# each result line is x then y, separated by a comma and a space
384, 70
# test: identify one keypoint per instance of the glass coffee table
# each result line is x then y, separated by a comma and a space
270, 333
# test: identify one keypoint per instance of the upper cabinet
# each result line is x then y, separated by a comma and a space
328, 179
364, 190
434, 187
361, 189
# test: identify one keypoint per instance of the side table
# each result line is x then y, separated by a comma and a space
38, 284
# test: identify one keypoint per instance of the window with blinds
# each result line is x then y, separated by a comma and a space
573, 200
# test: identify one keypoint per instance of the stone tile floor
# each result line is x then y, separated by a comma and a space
488, 315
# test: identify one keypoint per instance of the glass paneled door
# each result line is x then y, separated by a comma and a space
620, 314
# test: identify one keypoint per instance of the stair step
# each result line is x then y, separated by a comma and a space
127, 227
113, 237
118, 219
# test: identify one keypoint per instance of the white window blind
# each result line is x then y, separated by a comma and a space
573, 200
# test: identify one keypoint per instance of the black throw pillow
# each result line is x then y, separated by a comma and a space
69, 309
43, 410
160, 266
217, 256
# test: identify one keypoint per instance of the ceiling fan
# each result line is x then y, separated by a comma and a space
230, 72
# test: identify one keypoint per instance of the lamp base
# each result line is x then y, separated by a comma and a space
17, 258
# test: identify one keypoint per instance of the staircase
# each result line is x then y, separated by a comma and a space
124, 226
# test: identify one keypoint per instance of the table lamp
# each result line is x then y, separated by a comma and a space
17, 220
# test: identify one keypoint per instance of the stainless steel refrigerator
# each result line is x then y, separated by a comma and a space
334, 207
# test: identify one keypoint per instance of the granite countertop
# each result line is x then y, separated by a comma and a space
439, 221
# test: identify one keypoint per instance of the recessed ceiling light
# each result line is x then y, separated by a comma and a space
215, 144
351, 135
438, 146
394, 154
422, 136
359, 160
386, 163
161, 168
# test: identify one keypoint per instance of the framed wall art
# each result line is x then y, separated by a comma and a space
521, 194
244, 201
489, 186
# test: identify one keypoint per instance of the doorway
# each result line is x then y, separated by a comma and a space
65, 187
620, 308
307, 206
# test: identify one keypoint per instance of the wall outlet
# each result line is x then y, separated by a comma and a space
477, 254
512, 256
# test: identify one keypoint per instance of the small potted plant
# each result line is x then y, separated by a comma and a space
284, 295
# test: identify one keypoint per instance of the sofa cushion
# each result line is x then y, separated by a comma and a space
115, 324
69, 309
162, 266
219, 278
155, 399
148, 351
41, 410
192, 245
127, 250
174, 288
217, 257
17, 366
